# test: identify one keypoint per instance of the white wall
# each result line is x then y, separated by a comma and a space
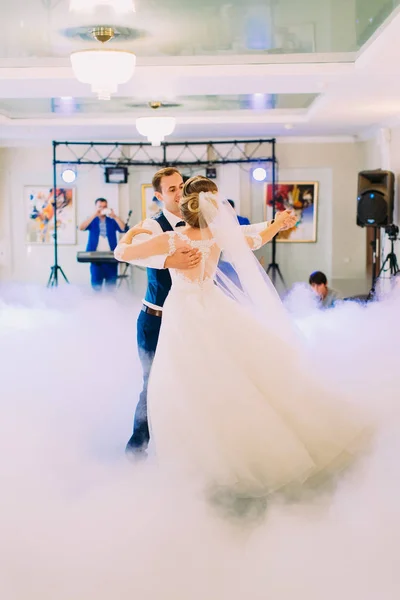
33, 166
383, 152
297, 261
340, 250
340, 247
5, 220
24, 166
372, 155
394, 165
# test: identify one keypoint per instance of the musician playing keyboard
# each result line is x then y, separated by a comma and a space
103, 226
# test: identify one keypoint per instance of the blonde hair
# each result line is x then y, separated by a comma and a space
190, 204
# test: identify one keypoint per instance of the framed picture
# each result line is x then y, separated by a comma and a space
300, 197
150, 205
39, 215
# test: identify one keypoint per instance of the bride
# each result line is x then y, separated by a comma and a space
231, 395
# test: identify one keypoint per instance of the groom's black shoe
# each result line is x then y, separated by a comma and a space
135, 453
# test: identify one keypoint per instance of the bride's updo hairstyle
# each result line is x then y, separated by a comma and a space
190, 204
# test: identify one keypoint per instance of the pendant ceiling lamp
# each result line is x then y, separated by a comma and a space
155, 128
119, 6
104, 70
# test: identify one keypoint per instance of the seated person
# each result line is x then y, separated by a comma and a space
327, 296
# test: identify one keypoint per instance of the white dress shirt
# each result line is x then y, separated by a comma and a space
154, 262
158, 262
103, 245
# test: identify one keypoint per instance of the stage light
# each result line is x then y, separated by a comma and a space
259, 174
68, 175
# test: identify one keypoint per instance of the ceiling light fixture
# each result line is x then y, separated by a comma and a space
104, 70
119, 6
103, 34
155, 128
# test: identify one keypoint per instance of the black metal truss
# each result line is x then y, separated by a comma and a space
112, 154
168, 154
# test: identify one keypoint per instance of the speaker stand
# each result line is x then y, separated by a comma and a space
375, 253
393, 267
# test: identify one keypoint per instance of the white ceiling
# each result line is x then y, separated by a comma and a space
358, 93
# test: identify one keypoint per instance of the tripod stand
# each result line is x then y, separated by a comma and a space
391, 261
273, 266
389, 264
53, 279
125, 274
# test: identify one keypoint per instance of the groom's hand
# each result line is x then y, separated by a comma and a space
183, 258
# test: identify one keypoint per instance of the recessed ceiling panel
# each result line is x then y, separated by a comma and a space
162, 28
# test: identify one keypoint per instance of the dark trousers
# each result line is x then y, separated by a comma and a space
103, 272
148, 330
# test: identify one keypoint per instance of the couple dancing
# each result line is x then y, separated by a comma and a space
230, 395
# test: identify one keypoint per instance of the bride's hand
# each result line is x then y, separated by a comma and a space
286, 219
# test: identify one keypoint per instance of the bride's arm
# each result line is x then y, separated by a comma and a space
283, 220
152, 226
254, 227
161, 244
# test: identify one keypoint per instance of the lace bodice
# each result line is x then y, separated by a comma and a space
206, 270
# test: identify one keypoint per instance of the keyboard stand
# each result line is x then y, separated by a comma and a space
124, 276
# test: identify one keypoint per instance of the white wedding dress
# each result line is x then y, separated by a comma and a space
231, 399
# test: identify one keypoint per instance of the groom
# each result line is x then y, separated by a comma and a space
168, 188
